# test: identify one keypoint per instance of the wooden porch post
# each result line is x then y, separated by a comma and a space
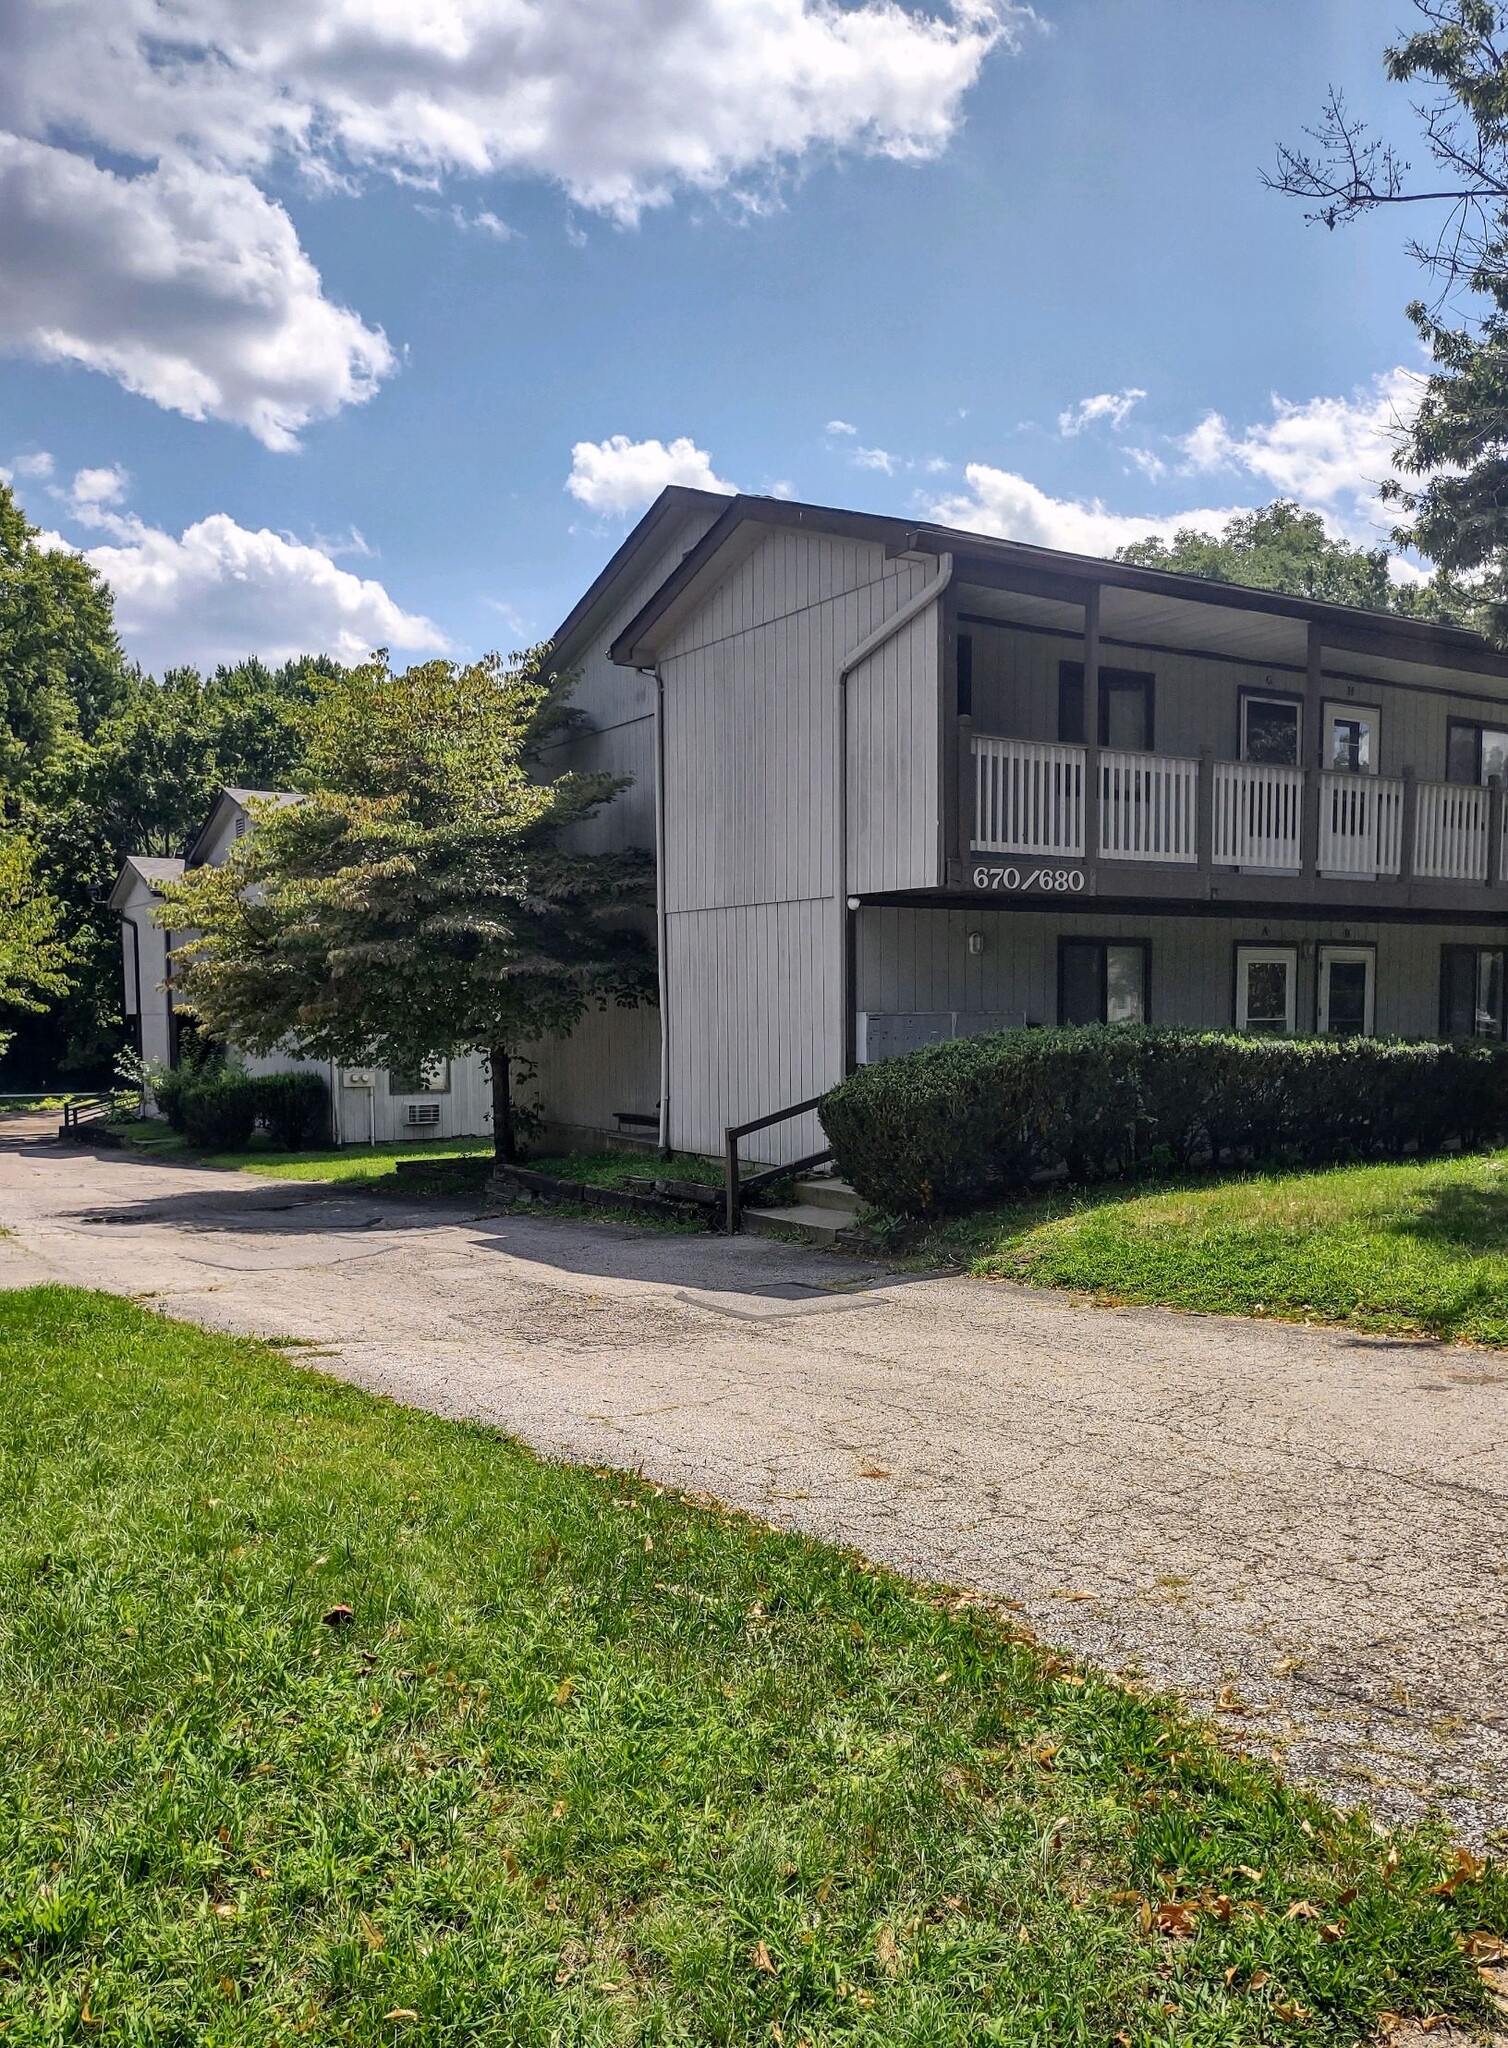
1311, 757
1092, 724
1494, 830
1407, 825
968, 795
1204, 813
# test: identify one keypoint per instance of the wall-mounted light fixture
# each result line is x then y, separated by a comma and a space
976, 944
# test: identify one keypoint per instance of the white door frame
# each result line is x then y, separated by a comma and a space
1330, 954
1333, 709
1258, 956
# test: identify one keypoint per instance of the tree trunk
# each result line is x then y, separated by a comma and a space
504, 1149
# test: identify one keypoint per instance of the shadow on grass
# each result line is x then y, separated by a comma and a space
1476, 1218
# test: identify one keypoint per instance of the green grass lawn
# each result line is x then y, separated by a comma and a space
1404, 1248
457, 1165
328, 1721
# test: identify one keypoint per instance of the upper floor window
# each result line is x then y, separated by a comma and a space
1125, 707
1473, 752
1271, 729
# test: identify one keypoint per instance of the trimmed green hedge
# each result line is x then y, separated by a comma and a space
218, 1108
958, 1124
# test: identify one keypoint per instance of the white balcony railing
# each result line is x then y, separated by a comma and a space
1450, 832
1149, 807
1028, 798
1258, 815
1360, 825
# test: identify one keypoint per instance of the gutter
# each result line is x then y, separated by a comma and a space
870, 645
662, 914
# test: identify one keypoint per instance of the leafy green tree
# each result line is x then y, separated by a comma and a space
35, 953
1455, 511
144, 783
424, 898
62, 672
1283, 548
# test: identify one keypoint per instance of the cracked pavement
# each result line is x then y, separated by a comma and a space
1302, 1530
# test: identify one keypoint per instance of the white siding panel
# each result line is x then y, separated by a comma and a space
895, 764
755, 1022
611, 1061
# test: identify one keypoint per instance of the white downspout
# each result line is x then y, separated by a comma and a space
662, 919
929, 593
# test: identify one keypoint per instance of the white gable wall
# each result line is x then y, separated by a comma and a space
146, 998
611, 1061
754, 892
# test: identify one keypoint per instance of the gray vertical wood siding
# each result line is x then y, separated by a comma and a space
1198, 698
754, 890
611, 1061
918, 961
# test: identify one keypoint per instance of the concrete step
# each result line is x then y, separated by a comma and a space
826, 1191
816, 1223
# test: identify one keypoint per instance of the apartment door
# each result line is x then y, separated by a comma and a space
1347, 976
1350, 739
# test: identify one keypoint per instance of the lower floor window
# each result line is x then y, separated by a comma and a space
1471, 992
1346, 984
1102, 981
430, 1077
1267, 990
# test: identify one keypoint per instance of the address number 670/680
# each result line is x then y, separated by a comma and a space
1046, 881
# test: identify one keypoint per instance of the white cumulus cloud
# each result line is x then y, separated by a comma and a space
997, 501
220, 590
187, 283
618, 476
1330, 454
1111, 407
188, 287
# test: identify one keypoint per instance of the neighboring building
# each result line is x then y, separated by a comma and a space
917, 782
905, 783
447, 1099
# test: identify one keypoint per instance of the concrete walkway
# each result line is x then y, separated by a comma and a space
1304, 1528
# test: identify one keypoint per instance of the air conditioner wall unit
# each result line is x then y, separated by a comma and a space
422, 1116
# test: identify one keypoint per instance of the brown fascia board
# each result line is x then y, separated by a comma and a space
1051, 571
674, 504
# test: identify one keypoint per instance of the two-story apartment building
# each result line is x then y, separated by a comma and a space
905, 782
446, 1099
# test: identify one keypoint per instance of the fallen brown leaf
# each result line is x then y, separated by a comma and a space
1177, 1917
337, 1617
1484, 1947
1301, 1909
763, 1960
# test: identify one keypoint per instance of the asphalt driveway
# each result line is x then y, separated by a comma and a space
1305, 1530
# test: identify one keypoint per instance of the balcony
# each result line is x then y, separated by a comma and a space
1229, 819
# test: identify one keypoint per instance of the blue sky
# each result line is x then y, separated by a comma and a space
870, 255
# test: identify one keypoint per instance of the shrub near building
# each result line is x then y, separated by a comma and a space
961, 1123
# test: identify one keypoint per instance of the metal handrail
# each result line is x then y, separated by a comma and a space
92, 1109
736, 1185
